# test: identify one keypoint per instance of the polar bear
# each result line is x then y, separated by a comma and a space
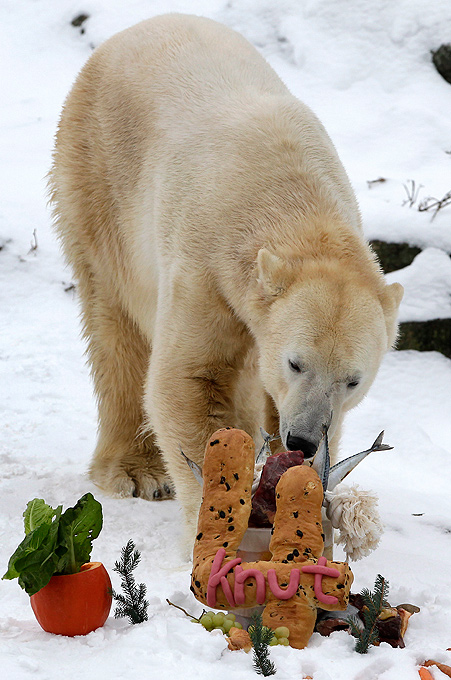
217, 247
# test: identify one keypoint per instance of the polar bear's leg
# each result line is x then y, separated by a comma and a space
126, 461
199, 351
249, 399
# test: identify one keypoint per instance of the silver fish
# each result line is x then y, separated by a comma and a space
339, 471
258, 469
265, 450
194, 467
321, 461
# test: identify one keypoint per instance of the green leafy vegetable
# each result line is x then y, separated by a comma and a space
78, 527
37, 513
54, 543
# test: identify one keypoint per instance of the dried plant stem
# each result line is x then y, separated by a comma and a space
190, 616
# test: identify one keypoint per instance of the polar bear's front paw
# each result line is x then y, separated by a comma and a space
132, 476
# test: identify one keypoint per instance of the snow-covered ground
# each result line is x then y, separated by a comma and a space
365, 69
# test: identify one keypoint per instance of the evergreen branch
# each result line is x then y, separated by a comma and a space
356, 626
374, 603
381, 590
261, 636
369, 636
133, 604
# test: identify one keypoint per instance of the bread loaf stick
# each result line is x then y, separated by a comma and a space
228, 472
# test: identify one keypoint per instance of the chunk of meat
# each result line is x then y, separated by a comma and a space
264, 500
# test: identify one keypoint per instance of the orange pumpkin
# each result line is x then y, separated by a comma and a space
74, 604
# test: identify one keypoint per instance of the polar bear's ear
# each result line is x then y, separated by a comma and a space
390, 301
274, 275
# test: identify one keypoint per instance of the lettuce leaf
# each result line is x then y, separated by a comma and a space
78, 527
54, 543
38, 512
35, 559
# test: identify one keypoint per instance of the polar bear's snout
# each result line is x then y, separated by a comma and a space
307, 447
304, 416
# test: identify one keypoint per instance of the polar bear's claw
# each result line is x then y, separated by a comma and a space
127, 476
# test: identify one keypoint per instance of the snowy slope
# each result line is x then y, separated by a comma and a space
365, 69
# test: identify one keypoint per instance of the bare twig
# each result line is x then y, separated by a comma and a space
372, 182
412, 191
190, 616
34, 243
435, 204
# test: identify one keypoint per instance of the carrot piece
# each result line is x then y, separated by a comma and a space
425, 674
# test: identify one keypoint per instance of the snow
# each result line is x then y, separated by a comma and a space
365, 69
427, 285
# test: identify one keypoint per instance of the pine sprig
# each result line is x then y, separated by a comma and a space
260, 637
133, 604
374, 603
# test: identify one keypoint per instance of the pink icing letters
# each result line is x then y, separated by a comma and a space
320, 570
218, 576
240, 576
277, 591
237, 597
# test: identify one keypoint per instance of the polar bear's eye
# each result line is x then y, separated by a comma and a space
353, 383
295, 367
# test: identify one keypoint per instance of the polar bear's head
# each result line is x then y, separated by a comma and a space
325, 331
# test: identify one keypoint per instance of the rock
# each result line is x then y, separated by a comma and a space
426, 336
441, 59
394, 256
79, 20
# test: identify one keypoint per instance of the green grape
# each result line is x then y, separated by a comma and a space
227, 625
282, 632
218, 619
230, 617
238, 625
274, 641
207, 621
283, 641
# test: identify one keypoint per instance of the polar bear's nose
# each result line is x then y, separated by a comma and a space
300, 444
